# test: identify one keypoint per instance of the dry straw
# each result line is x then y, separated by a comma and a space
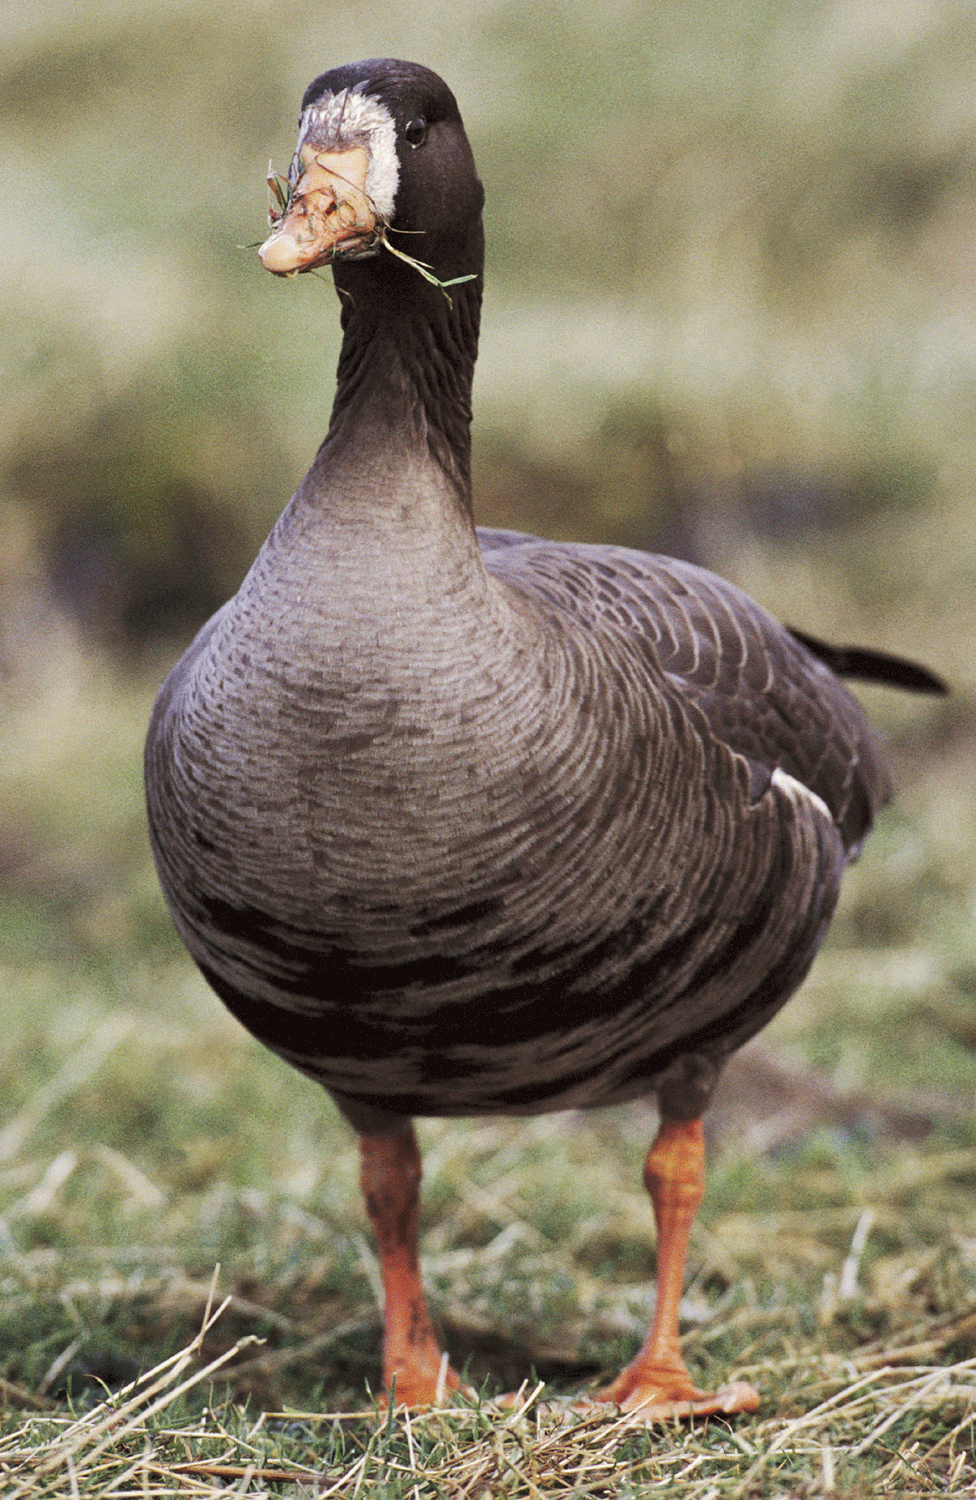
141, 1443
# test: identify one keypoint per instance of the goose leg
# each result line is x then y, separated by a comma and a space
656, 1383
389, 1176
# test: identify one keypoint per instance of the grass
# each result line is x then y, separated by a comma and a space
469, 1449
896, 1417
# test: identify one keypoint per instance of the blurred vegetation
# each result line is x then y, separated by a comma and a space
729, 314
729, 286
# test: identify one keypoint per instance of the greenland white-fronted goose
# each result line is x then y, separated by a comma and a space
462, 822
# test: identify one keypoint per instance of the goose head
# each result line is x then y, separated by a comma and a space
383, 188
382, 170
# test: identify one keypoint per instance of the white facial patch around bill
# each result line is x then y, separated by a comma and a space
351, 118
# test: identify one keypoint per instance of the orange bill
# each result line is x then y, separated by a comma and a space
328, 215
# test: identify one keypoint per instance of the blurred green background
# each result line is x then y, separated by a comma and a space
730, 313
729, 309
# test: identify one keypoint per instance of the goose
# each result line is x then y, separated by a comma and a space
463, 822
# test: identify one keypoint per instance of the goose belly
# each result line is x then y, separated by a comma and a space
436, 907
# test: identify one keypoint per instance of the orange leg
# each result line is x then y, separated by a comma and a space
390, 1179
656, 1383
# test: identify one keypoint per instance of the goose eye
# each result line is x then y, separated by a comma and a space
416, 132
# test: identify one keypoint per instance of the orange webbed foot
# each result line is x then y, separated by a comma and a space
663, 1394
416, 1373
657, 1396
656, 1385
421, 1385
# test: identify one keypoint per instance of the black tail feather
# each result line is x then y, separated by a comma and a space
872, 666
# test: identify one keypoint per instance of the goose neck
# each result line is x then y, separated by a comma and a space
405, 371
